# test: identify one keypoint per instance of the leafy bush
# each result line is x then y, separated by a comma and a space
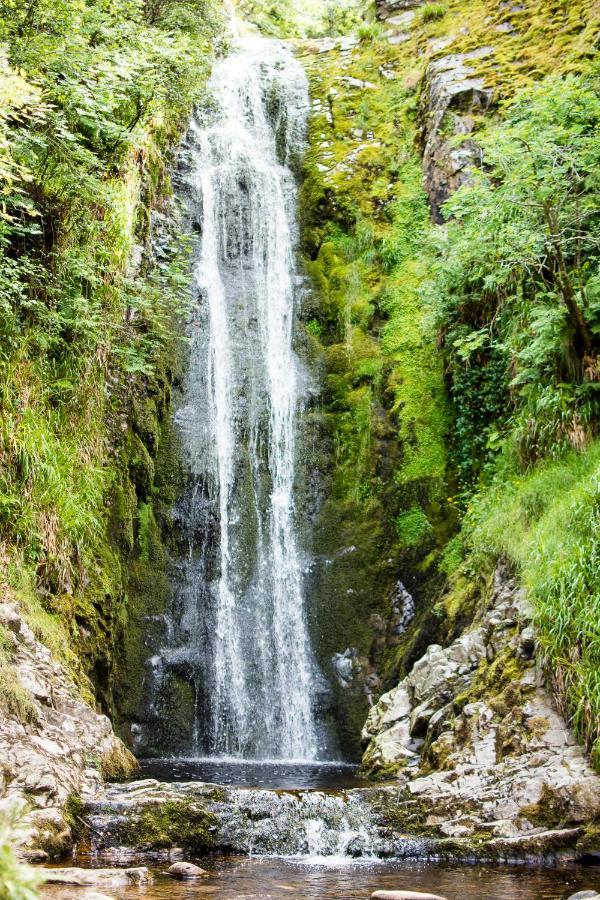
516, 284
303, 18
93, 96
18, 881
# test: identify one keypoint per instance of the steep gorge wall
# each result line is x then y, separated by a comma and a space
396, 114
94, 285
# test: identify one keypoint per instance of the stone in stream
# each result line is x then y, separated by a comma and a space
96, 877
584, 895
404, 895
76, 893
185, 870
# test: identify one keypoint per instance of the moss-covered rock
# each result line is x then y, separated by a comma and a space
174, 823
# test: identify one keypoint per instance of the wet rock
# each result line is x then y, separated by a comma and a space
343, 666
584, 895
96, 877
185, 870
388, 8
476, 754
451, 95
252, 821
44, 763
75, 893
403, 612
544, 846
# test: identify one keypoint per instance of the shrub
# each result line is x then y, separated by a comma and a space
18, 881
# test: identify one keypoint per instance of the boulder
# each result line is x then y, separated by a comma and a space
585, 895
185, 870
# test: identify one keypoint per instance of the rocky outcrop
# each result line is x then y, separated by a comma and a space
451, 96
155, 818
53, 746
160, 821
473, 738
388, 8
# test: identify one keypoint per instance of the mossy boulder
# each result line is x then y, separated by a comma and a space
172, 823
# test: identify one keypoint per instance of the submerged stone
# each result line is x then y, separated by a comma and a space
96, 877
185, 870
404, 895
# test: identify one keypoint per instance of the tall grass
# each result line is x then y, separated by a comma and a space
547, 522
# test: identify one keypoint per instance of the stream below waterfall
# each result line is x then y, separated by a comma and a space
269, 878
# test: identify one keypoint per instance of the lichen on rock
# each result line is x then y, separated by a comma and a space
475, 739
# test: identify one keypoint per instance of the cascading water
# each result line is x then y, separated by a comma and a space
239, 624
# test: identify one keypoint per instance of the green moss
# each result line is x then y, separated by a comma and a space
413, 527
550, 811
16, 700
118, 764
433, 12
364, 232
141, 467
174, 823
53, 838
73, 813
589, 843
144, 418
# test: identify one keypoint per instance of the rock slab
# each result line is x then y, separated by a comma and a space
96, 877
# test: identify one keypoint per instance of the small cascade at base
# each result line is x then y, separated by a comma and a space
310, 825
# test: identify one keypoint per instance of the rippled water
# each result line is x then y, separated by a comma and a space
273, 774
278, 878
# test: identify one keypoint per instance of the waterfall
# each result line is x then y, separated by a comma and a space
240, 630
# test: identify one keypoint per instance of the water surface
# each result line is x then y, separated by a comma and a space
277, 879
269, 774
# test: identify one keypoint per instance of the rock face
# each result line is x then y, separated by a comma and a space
151, 818
472, 736
450, 97
62, 746
387, 8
